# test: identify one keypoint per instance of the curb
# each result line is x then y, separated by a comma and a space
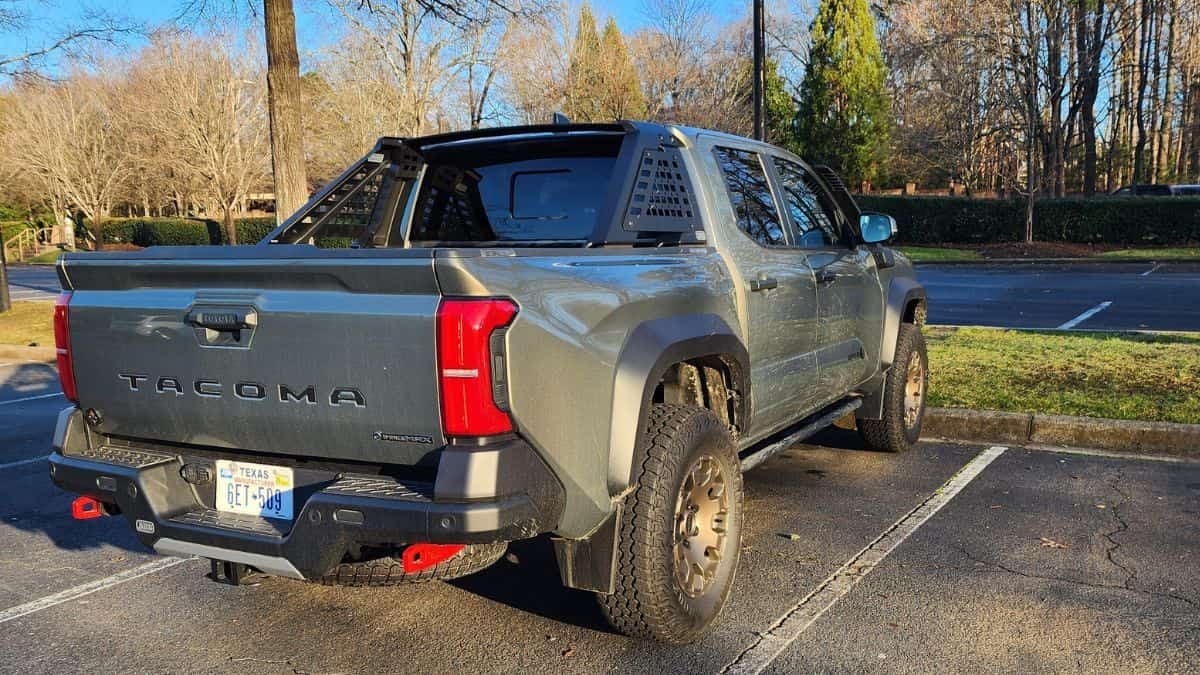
1053, 261
40, 354
1132, 437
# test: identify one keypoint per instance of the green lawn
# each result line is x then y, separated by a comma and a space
929, 254
47, 258
1114, 375
28, 324
1154, 253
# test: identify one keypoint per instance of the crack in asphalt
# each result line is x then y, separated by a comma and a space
1121, 526
1043, 577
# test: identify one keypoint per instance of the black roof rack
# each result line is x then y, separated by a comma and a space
500, 132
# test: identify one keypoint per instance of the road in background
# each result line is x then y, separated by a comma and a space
1042, 562
32, 282
1089, 296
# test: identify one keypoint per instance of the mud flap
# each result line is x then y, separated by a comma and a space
590, 564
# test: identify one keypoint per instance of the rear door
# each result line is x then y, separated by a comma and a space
776, 286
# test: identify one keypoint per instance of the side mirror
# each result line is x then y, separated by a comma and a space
877, 227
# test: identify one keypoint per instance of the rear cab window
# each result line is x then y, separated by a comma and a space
749, 193
534, 190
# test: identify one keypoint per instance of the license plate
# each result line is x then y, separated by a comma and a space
254, 489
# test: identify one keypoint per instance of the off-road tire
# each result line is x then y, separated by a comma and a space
893, 433
648, 601
390, 571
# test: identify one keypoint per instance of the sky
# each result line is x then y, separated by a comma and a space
48, 18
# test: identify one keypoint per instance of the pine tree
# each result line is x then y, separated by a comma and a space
584, 71
621, 96
844, 116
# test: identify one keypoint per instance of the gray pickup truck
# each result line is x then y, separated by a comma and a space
586, 331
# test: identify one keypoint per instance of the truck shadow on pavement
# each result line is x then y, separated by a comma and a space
526, 578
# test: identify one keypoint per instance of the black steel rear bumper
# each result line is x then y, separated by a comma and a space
501, 492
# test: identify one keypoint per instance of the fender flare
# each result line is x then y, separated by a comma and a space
901, 292
651, 348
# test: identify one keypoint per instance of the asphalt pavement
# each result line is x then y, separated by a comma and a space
1035, 562
32, 282
1083, 296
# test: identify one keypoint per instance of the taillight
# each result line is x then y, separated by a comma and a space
62, 344
465, 357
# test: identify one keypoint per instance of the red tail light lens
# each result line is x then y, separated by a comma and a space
464, 331
62, 344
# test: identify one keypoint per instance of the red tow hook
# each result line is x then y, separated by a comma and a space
86, 508
423, 556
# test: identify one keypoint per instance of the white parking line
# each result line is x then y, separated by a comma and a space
89, 588
23, 462
31, 398
1151, 270
1086, 315
756, 658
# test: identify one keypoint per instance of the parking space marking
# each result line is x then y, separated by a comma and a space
770, 644
23, 462
89, 588
31, 398
1086, 315
1151, 270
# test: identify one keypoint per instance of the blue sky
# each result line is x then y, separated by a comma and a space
49, 17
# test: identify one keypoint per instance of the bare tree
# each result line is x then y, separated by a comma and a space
67, 137
212, 108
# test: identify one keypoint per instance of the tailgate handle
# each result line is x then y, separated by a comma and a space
223, 321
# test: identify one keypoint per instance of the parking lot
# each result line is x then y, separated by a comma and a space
1026, 561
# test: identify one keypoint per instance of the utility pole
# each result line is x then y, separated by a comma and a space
5, 301
760, 73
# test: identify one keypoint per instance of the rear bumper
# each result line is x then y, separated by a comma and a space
333, 516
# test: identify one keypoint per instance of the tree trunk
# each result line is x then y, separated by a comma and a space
1145, 33
284, 101
1090, 48
230, 228
1161, 162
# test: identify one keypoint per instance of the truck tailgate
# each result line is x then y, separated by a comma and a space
280, 349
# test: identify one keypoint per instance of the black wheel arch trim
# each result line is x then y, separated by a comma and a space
652, 348
901, 292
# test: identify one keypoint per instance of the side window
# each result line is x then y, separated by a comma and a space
814, 218
750, 194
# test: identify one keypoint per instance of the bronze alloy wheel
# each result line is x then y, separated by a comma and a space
701, 512
914, 389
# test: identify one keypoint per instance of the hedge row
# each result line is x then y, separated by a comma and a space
182, 231
1135, 221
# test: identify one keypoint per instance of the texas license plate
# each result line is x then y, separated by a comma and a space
254, 489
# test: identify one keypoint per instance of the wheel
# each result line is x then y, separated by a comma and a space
680, 536
903, 396
387, 571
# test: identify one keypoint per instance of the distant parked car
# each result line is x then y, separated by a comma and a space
1157, 190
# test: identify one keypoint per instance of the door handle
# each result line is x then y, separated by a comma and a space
763, 284
223, 320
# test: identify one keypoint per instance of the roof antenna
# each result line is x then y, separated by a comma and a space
559, 119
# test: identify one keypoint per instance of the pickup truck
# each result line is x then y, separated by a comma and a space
585, 331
